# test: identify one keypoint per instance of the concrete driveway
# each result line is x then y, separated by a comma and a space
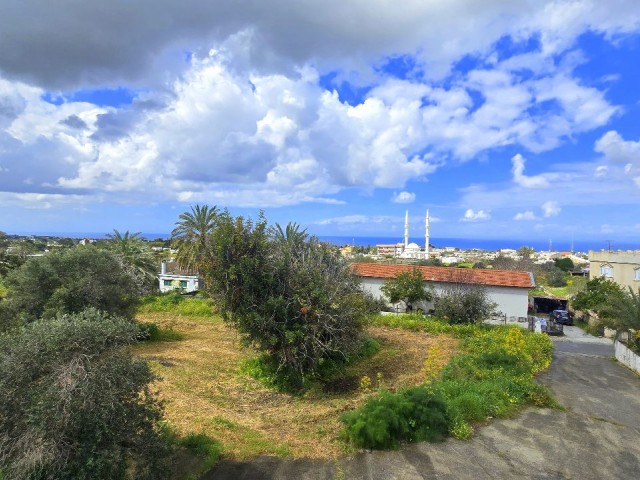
596, 437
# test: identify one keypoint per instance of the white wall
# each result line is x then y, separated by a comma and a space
192, 282
512, 301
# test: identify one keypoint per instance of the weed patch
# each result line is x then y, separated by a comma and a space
177, 304
492, 377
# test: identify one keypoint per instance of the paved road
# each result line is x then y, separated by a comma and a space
596, 437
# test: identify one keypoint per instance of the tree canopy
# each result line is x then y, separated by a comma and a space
192, 236
408, 287
68, 282
135, 257
286, 293
598, 293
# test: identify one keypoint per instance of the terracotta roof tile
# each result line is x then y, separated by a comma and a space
501, 278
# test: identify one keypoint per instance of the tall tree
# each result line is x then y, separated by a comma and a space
288, 295
135, 256
192, 236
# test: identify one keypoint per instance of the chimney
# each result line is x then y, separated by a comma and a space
163, 267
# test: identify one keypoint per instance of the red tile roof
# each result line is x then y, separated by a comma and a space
489, 277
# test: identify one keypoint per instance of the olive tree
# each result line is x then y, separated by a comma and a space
408, 287
76, 403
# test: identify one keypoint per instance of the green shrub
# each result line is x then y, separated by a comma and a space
410, 415
76, 403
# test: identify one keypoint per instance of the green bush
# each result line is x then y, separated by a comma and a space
76, 403
69, 282
411, 415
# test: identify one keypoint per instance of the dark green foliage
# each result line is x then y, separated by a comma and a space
622, 311
75, 403
408, 287
192, 237
556, 277
288, 295
69, 282
135, 257
564, 264
463, 303
411, 415
598, 293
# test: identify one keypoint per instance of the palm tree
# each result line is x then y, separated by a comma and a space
134, 255
192, 236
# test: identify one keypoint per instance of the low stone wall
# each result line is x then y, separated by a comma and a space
627, 356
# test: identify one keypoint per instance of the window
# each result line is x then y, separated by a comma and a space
606, 271
636, 274
166, 283
183, 284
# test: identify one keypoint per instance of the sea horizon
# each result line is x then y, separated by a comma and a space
582, 245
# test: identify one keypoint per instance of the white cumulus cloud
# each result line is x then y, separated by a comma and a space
550, 209
403, 197
527, 215
475, 216
536, 181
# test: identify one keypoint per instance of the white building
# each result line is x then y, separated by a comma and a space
406, 249
508, 289
172, 279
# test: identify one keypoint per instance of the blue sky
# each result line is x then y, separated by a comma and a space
506, 119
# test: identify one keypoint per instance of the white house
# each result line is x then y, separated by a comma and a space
187, 282
508, 289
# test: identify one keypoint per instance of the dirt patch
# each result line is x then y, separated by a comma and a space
204, 391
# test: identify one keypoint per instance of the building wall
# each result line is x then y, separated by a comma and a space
511, 301
190, 283
624, 266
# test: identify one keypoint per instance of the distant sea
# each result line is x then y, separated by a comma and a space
489, 244
461, 243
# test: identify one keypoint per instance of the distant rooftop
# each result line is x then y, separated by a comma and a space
500, 278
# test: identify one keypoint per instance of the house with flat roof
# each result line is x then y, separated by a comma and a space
171, 277
509, 290
620, 266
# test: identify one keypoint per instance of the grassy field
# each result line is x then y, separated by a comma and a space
206, 392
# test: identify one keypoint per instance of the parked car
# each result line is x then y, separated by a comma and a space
561, 316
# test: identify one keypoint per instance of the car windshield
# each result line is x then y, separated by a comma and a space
561, 313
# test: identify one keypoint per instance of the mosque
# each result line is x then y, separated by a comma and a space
406, 249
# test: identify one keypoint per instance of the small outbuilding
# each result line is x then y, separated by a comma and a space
173, 278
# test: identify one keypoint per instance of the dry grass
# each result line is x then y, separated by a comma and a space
205, 392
